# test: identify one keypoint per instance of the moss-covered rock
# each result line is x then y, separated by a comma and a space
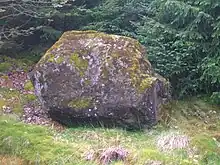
110, 70
80, 103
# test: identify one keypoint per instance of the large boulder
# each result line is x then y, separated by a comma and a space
88, 76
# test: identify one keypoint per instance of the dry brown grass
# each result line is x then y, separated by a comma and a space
107, 155
172, 141
12, 160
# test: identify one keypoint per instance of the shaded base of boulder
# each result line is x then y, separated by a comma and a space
63, 117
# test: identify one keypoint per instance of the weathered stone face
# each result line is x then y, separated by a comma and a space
91, 76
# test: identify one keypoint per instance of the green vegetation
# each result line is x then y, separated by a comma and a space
182, 42
14, 99
30, 97
36, 144
181, 37
145, 84
8, 63
29, 86
195, 118
4, 66
69, 146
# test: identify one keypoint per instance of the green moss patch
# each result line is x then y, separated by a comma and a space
80, 63
30, 97
50, 58
80, 103
60, 59
145, 84
28, 86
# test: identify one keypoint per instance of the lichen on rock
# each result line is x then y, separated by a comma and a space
89, 74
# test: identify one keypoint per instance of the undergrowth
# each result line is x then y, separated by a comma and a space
15, 100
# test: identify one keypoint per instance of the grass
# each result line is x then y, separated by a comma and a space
44, 145
36, 144
14, 99
30, 144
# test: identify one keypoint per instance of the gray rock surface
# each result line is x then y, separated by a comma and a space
87, 76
